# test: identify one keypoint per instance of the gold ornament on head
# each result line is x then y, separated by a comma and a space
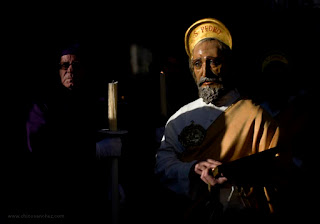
206, 28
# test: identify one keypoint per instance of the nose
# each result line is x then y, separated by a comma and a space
70, 68
208, 71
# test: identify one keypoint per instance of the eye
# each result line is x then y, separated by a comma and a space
197, 64
215, 62
64, 65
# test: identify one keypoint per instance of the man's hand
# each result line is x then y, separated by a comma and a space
202, 168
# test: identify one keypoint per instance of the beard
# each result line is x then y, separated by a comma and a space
211, 94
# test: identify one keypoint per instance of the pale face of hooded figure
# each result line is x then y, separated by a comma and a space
70, 71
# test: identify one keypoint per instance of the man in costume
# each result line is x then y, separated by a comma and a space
219, 127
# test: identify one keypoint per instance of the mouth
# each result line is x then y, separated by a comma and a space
207, 83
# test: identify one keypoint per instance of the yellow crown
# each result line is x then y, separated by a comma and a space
206, 28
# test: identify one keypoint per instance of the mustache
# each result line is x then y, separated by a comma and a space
215, 79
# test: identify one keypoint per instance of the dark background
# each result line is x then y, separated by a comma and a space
34, 32
107, 32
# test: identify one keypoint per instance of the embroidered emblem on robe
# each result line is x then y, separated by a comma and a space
192, 135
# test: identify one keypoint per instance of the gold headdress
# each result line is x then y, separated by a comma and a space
206, 28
